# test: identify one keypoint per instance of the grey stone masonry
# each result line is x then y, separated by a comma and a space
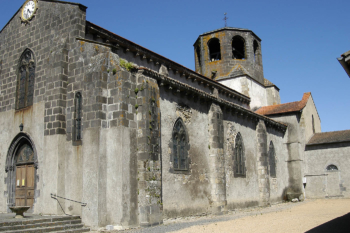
217, 158
262, 160
223, 68
148, 151
49, 35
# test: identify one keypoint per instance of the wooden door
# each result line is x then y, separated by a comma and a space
25, 174
25, 185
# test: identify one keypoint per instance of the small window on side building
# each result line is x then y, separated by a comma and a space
332, 167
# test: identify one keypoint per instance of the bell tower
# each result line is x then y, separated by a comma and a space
232, 56
228, 53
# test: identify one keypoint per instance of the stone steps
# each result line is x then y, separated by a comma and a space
66, 224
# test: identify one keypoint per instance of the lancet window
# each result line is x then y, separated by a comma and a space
239, 157
272, 160
25, 80
78, 116
180, 153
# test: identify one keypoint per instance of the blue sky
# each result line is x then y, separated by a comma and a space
300, 40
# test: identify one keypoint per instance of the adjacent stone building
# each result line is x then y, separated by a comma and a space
327, 165
133, 137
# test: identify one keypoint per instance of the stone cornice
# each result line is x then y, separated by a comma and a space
179, 87
144, 53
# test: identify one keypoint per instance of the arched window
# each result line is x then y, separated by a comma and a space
272, 160
180, 154
78, 116
238, 48
25, 80
198, 51
255, 47
239, 163
313, 124
332, 167
214, 49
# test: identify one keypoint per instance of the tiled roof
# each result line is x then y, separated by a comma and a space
330, 137
284, 108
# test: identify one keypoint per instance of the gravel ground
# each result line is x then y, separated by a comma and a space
312, 216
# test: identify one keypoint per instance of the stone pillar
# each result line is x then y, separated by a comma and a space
217, 159
148, 151
262, 164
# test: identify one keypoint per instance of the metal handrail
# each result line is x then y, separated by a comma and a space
55, 197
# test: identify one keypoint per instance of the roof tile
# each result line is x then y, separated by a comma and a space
284, 108
330, 137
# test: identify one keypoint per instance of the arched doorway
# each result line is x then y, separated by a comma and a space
25, 176
21, 166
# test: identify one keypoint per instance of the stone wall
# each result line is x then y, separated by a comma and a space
49, 37
248, 87
321, 183
185, 193
294, 143
272, 96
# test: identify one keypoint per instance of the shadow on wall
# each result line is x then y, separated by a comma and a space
337, 225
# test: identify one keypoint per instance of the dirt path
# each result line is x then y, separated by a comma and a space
299, 218
312, 216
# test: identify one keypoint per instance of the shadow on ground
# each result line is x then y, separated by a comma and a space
337, 225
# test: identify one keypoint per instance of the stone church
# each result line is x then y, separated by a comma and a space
98, 126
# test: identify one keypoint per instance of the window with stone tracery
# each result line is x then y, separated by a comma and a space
239, 157
180, 153
25, 80
78, 116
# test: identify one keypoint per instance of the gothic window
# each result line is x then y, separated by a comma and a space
214, 49
272, 160
238, 48
25, 80
313, 124
180, 154
255, 47
332, 167
78, 116
239, 157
